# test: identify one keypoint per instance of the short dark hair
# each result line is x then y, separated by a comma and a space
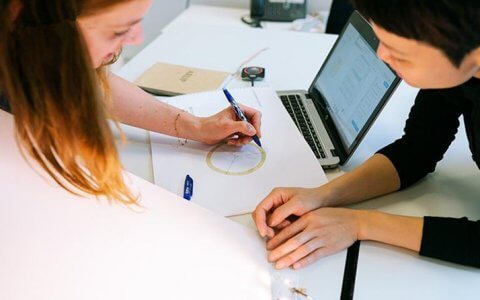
452, 26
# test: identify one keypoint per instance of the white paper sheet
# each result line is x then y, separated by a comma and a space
287, 159
58, 246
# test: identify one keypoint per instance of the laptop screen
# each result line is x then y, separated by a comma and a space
353, 82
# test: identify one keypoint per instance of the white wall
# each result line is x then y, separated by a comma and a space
161, 13
228, 3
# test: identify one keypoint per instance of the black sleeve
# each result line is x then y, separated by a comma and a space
454, 240
429, 131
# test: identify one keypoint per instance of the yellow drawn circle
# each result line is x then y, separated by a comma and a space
258, 165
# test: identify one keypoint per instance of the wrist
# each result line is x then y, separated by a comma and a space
401, 231
188, 126
326, 195
364, 224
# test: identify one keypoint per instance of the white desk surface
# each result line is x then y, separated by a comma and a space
292, 61
223, 48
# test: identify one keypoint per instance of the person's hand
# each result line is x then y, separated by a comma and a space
278, 208
226, 126
317, 234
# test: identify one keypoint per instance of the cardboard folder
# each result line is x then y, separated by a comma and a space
171, 80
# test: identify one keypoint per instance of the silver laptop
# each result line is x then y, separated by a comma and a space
347, 95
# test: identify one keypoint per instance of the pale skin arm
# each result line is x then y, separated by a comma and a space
376, 177
133, 106
137, 108
401, 231
321, 230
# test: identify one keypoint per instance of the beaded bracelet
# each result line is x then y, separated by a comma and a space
180, 142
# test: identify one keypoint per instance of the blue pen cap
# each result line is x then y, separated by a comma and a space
188, 188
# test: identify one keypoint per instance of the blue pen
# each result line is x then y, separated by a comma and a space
239, 113
188, 188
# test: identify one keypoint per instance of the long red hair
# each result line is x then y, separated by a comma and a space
57, 98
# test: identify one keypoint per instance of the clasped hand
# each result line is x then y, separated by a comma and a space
313, 232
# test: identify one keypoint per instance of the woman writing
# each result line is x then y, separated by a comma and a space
53, 79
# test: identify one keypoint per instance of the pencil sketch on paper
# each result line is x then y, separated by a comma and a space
232, 161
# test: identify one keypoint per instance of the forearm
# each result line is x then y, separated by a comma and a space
376, 177
133, 106
394, 230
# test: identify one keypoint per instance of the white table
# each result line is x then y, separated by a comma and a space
197, 42
203, 43
215, 38
226, 48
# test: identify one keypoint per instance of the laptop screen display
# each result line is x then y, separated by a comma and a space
353, 82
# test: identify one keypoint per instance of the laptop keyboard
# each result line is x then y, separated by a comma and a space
297, 111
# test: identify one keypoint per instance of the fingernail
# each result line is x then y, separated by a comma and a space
297, 266
251, 129
280, 265
269, 247
270, 256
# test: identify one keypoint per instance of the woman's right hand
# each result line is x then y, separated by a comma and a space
277, 209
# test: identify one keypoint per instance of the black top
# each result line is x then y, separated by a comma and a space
4, 105
429, 131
